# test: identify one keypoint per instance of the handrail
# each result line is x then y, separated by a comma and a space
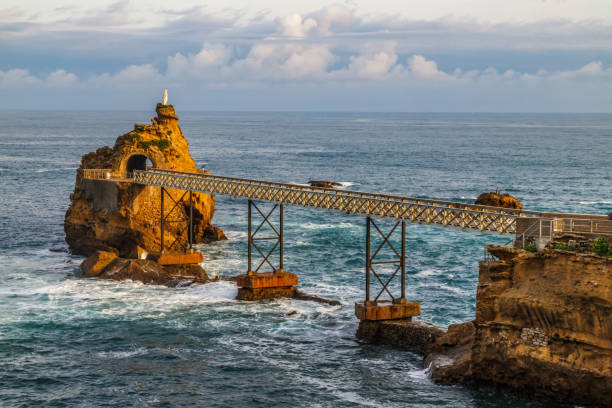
417, 210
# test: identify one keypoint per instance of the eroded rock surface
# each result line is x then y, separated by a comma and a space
123, 217
497, 199
107, 265
543, 327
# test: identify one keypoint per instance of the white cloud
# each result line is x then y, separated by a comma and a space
373, 65
61, 78
423, 68
293, 25
590, 70
16, 78
284, 61
211, 56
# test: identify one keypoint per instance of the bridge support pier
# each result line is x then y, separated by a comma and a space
177, 253
255, 285
396, 307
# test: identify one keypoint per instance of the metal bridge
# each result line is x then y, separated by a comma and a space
524, 225
495, 220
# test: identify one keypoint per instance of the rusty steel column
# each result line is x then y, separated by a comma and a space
403, 259
367, 265
190, 219
250, 238
280, 238
161, 212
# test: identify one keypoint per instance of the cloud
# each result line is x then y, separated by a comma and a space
373, 65
211, 56
284, 61
18, 78
423, 68
293, 25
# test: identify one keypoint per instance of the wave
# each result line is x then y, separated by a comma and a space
595, 202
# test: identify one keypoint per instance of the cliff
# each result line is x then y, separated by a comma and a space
543, 327
124, 218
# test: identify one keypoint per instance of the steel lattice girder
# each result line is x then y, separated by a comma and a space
421, 211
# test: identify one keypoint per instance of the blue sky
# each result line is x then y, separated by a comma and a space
439, 55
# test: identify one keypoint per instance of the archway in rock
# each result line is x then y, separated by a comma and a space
138, 162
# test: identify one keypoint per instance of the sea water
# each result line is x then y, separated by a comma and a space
70, 341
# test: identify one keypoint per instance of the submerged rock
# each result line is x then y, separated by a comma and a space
497, 199
124, 217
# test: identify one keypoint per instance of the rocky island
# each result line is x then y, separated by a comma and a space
117, 224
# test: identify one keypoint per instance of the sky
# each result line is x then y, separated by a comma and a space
371, 55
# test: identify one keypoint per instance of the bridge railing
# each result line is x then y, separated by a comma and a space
582, 226
424, 211
106, 174
416, 200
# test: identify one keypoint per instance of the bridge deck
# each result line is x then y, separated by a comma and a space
416, 210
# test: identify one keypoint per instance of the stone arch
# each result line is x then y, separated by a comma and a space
136, 160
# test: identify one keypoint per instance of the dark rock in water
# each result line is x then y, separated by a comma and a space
497, 199
179, 283
304, 296
107, 265
292, 313
58, 250
413, 336
323, 184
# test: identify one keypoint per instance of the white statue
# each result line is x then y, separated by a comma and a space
165, 101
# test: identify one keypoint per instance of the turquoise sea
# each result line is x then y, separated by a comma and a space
67, 341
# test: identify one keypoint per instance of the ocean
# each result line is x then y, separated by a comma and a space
68, 341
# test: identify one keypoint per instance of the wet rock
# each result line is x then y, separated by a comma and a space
413, 336
323, 184
298, 294
96, 263
497, 199
106, 265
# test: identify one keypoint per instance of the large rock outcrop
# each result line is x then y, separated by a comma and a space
124, 218
543, 327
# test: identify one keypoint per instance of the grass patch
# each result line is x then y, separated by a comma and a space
601, 247
161, 144
531, 248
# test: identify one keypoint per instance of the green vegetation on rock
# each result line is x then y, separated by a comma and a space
531, 248
601, 247
161, 144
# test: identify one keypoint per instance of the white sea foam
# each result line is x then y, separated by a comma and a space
122, 354
428, 272
596, 202
345, 184
342, 225
214, 292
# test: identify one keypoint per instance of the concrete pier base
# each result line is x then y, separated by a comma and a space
269, 285
387, 310
180, 258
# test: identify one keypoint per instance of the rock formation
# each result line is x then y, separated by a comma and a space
497, 199
543, 327
107, 265
124, 218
